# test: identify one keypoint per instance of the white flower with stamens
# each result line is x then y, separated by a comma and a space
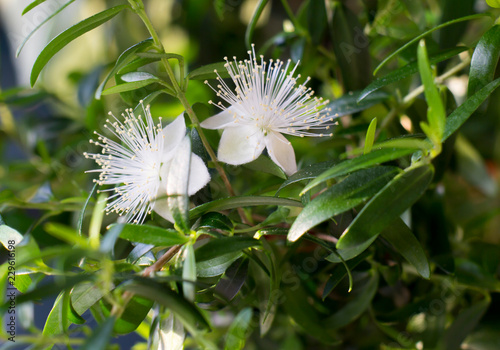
266, 103
139, 166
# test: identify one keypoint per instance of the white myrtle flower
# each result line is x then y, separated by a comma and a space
266, 103
139, 165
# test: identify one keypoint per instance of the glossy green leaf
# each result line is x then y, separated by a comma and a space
404, 241
370, 136
451, 9
215, 221
177, 185
484, 60
309, 172
238, 331
406, 71
387, 205
343, 255
354, 308
209, 71
350, 45
151, 235
8, 234
101, 336
216, 266
84, 295
241, 201
130, 86
54, 324
352, 191
465, 110
364, 161
423, 35
183, 309
253, 22
188, 272
436, 114
136, 64
134, 314
125, 58
19, 49
69, 35
220, 246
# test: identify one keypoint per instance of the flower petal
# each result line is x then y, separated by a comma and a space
240, 145
161, 208
174, 133
281, 152
220, 120
198, 175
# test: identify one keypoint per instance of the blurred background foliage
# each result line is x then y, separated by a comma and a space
46, 195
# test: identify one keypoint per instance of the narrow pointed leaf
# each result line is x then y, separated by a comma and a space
404, 241
220, 246
309, 172
387, 205
253, 22
465, 110
69, 35
32, 6
352, 191
370, 136
151, 235
209, 71
484, 60
356, 102
189, 272
238, 331
364, 161
130, 86
101, 336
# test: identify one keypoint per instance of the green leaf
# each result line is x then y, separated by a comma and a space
151, 235
136, 64
134, 314
225, 245
348, 104
84, 208
370, 136
187, 313
8, 234
232, 280
343, 255
266, 165
215, 221
177, 184
84, 295
209, 71
484, 60
130, 86
364, 161
354, 308
352, 191
423, 35
309, 172
462, 113
123, 60
316, 20
19, 49
387, 205
54, 324
60, 41
216, 266
253, 22
350, 45
66, 234
101, 336
241, 201
406, 71
404, 241
188, 272
435, 113
32, 6
238, 331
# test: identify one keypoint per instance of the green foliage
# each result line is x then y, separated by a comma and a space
389, 228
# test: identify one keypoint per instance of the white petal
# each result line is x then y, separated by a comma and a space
240, 145
161, 208
220, 120
281, 152
198, 175
174, 133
